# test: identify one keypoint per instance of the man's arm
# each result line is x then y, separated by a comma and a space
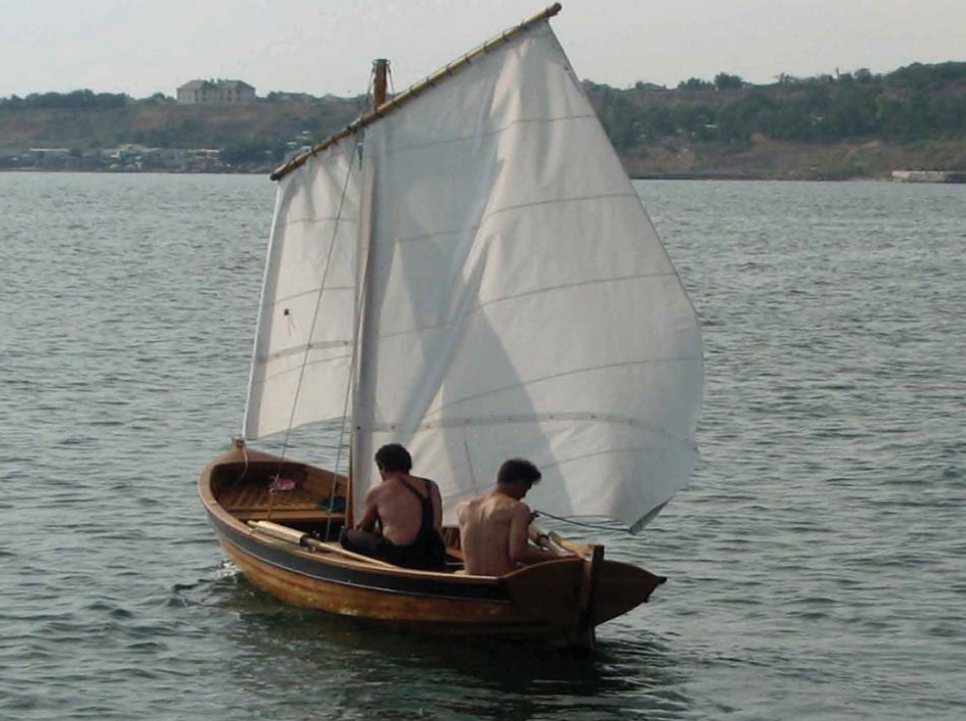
520, 550
371, 513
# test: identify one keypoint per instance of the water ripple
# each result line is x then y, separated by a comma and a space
815, 562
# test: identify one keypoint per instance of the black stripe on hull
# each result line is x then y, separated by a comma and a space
373, 580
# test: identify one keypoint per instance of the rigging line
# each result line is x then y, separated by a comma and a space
338, 458
318, 306
357, 328
370, 90
345, 416
595, 526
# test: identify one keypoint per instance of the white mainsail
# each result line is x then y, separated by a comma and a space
519, 301
516, 301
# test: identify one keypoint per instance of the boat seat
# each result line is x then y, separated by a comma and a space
250, 502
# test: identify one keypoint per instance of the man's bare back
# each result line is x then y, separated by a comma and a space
398, 508
485, 527
408, 511
493, 528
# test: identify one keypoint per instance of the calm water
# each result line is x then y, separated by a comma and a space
817, 563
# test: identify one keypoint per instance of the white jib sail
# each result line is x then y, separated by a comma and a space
519, 302
303, 346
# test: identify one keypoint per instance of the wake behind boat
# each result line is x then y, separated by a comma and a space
468, 271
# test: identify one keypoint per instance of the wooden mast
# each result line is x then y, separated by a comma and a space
380, 78
380, 68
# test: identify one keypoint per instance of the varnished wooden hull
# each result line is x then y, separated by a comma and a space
546, 601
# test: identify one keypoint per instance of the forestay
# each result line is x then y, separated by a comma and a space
518, 301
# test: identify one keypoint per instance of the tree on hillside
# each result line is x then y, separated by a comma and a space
253, 151
156, 99
724, 81
921, 76
695, 84
754, 113
75, 100
618, 116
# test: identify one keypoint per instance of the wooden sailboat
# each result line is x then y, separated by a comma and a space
467, 270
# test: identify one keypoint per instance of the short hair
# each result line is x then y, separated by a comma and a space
517, 469
394, 458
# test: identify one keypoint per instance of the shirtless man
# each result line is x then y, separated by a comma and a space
493, 528
409, 512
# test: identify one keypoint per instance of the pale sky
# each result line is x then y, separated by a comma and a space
325, 46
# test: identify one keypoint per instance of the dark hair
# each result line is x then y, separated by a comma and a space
517, 469
394, 458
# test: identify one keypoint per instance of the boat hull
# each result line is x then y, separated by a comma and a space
558, 601
375, 599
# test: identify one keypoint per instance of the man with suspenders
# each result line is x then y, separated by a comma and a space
409, 512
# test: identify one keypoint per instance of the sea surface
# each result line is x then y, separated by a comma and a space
817, 562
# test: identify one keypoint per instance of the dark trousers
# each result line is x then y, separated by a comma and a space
366, 543
419, 555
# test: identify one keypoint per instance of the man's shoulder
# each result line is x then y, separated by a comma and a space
384, 492
468, 503
502, 506
429, 482
521, 509
375, 491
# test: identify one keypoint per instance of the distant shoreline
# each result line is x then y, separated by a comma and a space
735, 177
858, 126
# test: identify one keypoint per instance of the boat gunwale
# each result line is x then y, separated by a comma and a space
226, 524
368, 577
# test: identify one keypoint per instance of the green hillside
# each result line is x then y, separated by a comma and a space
852, 125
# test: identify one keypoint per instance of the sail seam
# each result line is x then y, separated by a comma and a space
518, 418
477, 226
302, 221
564, 374
305, 347
311, 291
278, 374
488, 134
537, 291
576, 199
608, 452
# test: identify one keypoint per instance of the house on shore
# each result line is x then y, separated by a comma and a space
216, 92
928, 176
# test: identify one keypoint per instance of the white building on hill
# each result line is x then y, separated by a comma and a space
215, 92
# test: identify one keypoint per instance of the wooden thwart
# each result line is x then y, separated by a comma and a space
256, 502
